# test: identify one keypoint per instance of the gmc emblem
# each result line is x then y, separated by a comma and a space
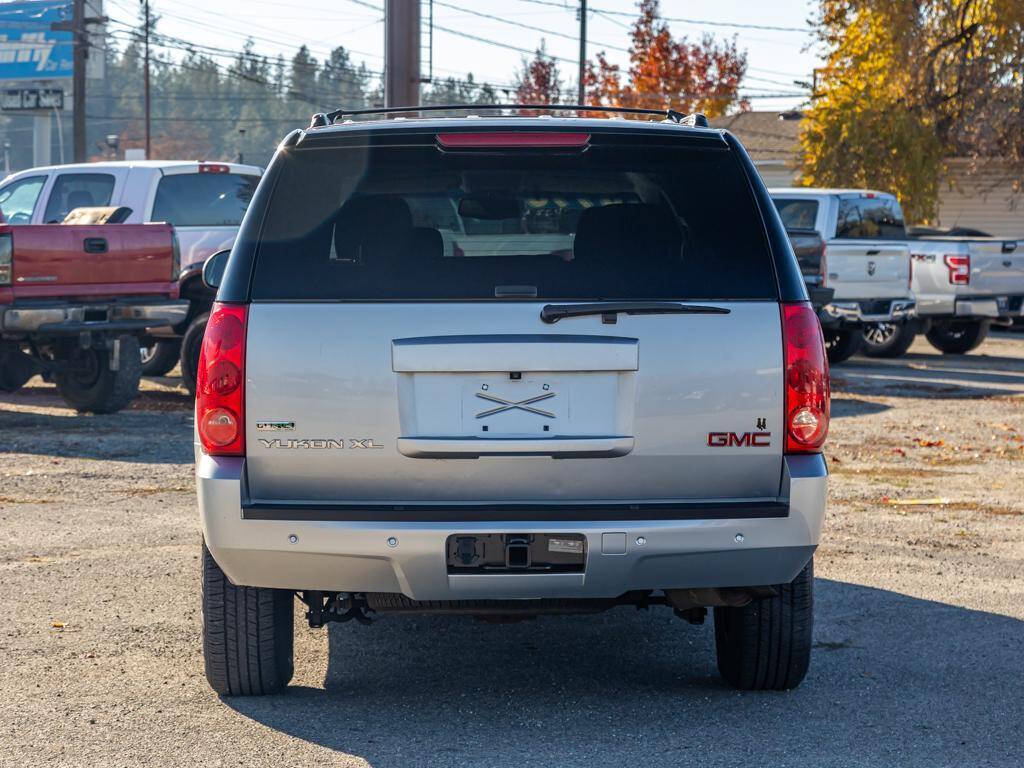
745, 440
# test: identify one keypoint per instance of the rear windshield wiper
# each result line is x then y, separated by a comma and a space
552, 313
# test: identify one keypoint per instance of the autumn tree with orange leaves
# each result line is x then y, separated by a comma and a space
665, 72
539, 81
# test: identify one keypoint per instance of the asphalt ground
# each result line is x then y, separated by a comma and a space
919, 628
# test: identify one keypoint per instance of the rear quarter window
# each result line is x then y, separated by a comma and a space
203, 199
797, 214
412, 222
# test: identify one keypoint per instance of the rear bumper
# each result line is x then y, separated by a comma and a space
356, 556
992, 307
868, 311
57, 319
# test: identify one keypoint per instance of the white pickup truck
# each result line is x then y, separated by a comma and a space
204, 202
963, 286
867, 257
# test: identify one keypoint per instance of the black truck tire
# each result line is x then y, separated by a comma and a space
191, 346
248, 635
958, 337
766, 644
159, 357
888, 339
96, 388
842, 345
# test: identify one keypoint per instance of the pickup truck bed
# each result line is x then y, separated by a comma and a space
75, 298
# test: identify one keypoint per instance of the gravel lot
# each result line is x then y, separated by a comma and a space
919, 626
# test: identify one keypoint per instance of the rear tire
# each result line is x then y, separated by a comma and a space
248, 635
94, 388
191, 345
842, 345
160, 357
766, 644
888, 339
958, 337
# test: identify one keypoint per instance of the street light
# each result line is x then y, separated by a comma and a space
113, 140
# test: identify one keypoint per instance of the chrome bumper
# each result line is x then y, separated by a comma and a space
410, 557
143, 315
853, 311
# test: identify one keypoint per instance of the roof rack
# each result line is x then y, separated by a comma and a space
696, 119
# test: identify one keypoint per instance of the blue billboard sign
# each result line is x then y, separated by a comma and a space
29, 48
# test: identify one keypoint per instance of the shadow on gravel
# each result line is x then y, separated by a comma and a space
147, 437
842, 407
939, 376
894, 681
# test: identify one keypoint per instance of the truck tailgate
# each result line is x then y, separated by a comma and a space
997, 268
868, 269
374, 402
94, 259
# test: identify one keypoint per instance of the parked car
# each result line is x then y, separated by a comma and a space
868, 260
74, 301
385, 428
809, 248
963, 286
204, 201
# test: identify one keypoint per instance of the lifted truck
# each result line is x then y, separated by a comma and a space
74, 300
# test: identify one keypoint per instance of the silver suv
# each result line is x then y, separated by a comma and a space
507, 367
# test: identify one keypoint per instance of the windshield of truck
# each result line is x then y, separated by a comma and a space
203, 199
870, 217
797, 214
613, 222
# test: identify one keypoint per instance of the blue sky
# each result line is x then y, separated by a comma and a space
775, 56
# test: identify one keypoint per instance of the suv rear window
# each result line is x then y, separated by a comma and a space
870, 217
203, 199
412, 222
797, 214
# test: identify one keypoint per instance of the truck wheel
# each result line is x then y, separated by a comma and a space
191, 346
888, 339
247, 635
94, 387
766, 644
160, 357
958, 337
842, 345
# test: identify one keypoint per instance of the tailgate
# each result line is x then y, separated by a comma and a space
440, 402
997, 269
50, 259
868, 270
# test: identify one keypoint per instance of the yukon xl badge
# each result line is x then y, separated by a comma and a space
320, 444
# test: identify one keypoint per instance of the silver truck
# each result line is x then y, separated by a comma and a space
867, 255
963, 286
635, 418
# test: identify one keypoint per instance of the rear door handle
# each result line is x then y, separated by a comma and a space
95, 244
873, 252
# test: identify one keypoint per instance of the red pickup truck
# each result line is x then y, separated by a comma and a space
74, 300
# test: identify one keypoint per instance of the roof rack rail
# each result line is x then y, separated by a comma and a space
696, 119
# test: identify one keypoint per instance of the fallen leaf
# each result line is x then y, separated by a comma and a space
916, 502
899, 451
59, 625
930, 443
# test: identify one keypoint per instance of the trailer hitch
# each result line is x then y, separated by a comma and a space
336, 607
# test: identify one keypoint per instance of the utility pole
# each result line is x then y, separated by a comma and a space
145, 4
401, 53
583, 50
78, 79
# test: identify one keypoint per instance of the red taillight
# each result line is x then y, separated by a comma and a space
806, 379
959, 269
213, 168
512, 139
220, 385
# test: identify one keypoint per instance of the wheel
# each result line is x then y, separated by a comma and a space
93, 387
160, 357
191, 345
766, 644
888, 339
247, 635
842, 345
959, 336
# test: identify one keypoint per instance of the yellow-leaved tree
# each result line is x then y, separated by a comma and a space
909, 82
